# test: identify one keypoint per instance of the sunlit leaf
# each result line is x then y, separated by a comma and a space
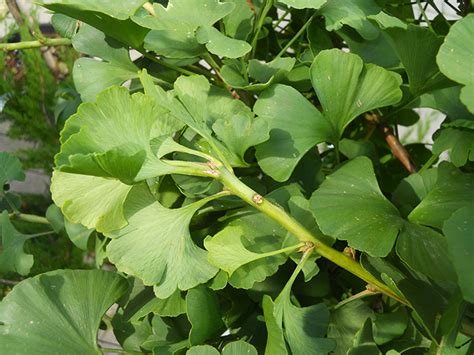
458, 231
456, 51
156, 245
347, 88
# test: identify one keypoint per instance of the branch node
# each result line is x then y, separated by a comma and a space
257, 199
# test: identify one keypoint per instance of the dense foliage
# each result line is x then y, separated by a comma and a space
243, 186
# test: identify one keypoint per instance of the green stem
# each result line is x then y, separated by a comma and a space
295, 273
166, 64
47, 42
261, 20
295, 37
238, 188
282, 17
428, 163
41, 234
362, 294
29, 218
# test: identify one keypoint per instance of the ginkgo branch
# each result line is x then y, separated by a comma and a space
29, 218
238, 188
45, 42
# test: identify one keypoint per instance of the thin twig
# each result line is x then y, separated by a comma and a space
362, 294
47, 42
8, 282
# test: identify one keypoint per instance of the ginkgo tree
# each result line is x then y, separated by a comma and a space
244, 186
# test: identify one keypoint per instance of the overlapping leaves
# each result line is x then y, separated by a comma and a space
345, 87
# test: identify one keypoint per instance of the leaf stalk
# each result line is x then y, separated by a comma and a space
46, 42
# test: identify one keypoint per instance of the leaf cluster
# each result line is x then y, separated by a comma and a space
244, 180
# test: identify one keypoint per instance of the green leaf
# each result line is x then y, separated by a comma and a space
453, 190
10, 169
202, 350
288, 142
458, 49
240, 132
351, 13
219, 44
304, 4
413, 189
389, 326
75, 194
12, 256
346, 322
417, 47
271, 72
425, 250
228, 252
78, 234
156, 245
107, 16
146, 302
204, 315
173, 27
58, 312
347, 88
364, 342
458, 231
92, 76
239, 23
305, 327
447, 101
350, 206
275, 339
98, 141
458, 142
64, 25
238, 348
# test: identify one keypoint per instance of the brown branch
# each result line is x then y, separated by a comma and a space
398, 150
251, 5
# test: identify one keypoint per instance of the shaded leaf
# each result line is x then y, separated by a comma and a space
107, 16
239, 23
219, 44
453, 190
458, 231
417, 47
345, 323
204, 314
240, 132
12, 256
425, 250
364, 342
458, 142
10, 169
351, 13
288, 141
303, 4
